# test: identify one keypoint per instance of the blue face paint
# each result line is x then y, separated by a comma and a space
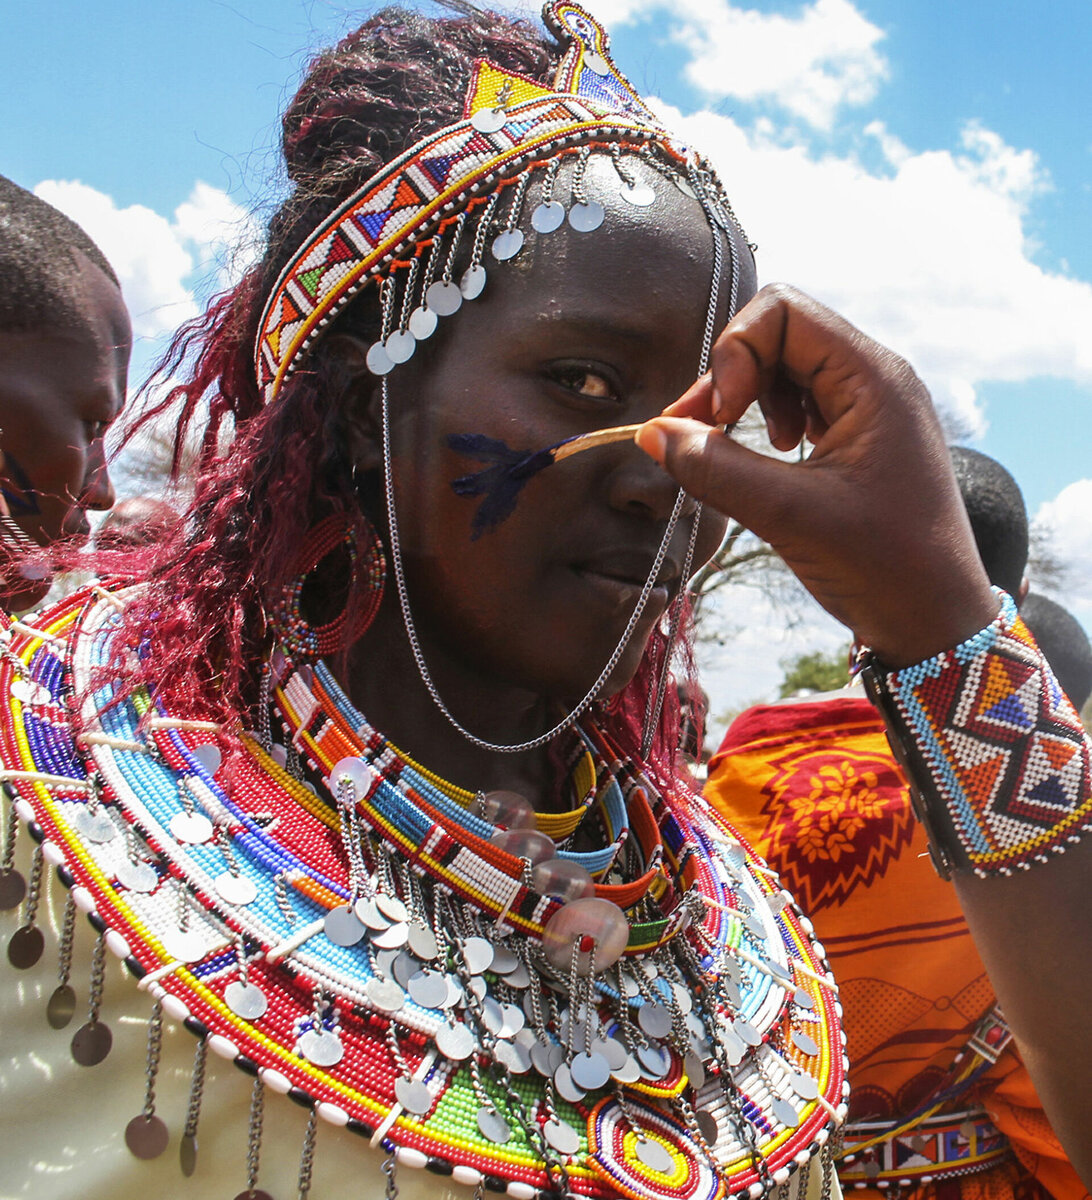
19, 492
500, 483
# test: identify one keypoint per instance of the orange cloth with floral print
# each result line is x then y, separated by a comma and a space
816, 790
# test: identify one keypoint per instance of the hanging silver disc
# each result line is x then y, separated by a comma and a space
191, 827
803, 999
747, 1033
707, 1126
342, 926
392, 938
513, 1055
422, 941
146, 1137
385, 994
628, 1072
596, 63
519, 979
257, 1194
25, 947
654, 1155
236, 889
548, 216
187, 1154
378, 360
428, 989
630, 987
478, 955
403, 967
13, 887
494, 1126
612, 1050
562, 1136
589, 1071
413, 1095
472, 283
138, 877
489, 120
804, 1043
684, 186
391, 907
209, 756
368, 913
91, 1043
61, 1007
29, 692
400, 346
95, 826
585, 218
682, 998
455, 1042
444, 298
246, 1000
514, 1020
733, 1045
654, 1019
785, 1112
508, 244
322, 1047
183, 944
653, 1059
546, 1059
492, 1015
639, 193
804, 1085
504, 960
422, 323
567, 1087
695, 1070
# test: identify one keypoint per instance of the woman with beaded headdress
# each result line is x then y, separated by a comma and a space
371, 780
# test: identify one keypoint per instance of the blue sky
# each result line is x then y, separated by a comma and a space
926, 168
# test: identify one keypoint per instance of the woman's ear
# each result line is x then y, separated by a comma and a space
363, 416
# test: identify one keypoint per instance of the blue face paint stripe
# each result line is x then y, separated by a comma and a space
22, 500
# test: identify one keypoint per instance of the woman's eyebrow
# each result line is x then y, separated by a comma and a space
596, 325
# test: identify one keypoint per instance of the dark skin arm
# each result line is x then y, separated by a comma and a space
873, 525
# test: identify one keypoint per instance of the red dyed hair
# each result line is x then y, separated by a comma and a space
397, 78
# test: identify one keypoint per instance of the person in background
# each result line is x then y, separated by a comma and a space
65, 340
813, 783
1062, 639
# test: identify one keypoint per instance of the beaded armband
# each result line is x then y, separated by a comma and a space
995, 753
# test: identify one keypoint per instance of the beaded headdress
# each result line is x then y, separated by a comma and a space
475, 170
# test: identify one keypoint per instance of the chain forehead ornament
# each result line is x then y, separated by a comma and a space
510, 124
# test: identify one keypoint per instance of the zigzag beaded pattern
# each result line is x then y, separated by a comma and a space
1005, 747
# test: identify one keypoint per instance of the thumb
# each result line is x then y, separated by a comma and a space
754, 489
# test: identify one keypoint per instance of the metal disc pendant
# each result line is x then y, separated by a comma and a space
489, 120
519, 979
61, 1007
236, 889
192, 827
596, 63
13, 887
246, 1000
400, 346
653, 1059
25, 947
183, 944
512, 1055
472, 283
804, 1042
804, 1085
146, 1137
546, 1059
493, 1126
628, 1072
567, 1087
508, 244
394, 937
562, 1136
684, 185
378, 360
209, 756
733, 1046
803, 999
91, 1043
638, 193
29, 692
492, 1015
695, 1070
548, 216
455, 1042
654, 1155
138, 877
654, 1019
367, 912
785, 1112
612, 1050
385, 994
422, 941
428, 989
747, 1033
257, 1194
585, 218
413, 1095
391, 907
444, 298
504, 960
187, 1154
589, 1071
322, 1047
95, 826
422, 323
708, 1127
478, 955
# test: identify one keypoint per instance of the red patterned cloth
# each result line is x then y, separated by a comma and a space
816, 790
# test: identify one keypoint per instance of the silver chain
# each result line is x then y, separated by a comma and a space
307, 1155
151, 1066
254, 1134
68, 931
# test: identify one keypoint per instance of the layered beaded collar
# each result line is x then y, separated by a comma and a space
370, 938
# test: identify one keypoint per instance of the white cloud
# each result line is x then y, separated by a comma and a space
161, 263
810, 65
926, 252
1068, 517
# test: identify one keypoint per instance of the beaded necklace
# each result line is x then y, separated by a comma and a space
377, 943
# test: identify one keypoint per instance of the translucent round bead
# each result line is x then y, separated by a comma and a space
560, 877
509, 809
591, 924
525, 843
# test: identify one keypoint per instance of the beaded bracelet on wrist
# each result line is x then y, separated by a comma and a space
994, 750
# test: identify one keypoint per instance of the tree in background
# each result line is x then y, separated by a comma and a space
815, 671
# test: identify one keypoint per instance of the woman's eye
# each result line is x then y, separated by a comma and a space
586, 382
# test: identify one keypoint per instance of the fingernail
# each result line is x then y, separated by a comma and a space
653, 441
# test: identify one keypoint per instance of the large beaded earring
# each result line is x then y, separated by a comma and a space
359, 577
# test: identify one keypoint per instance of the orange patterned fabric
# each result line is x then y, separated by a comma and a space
816, 790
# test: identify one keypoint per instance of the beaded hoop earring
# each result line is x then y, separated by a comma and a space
299, 638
